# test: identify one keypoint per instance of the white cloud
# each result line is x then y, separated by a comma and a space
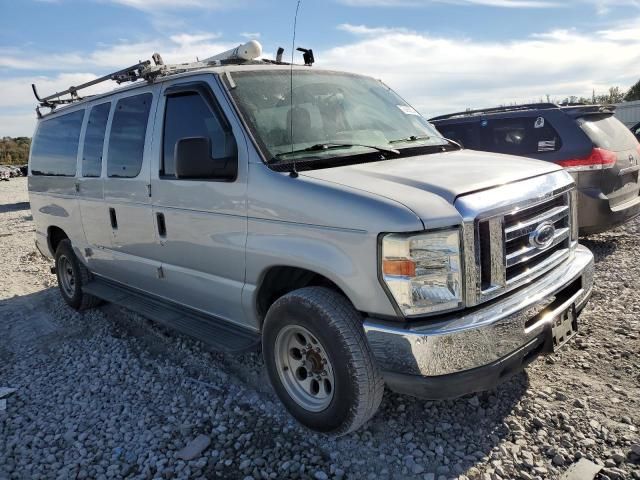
20, 124
365, 30
250, 35
151, 5
439, 74
489, 3
178, 48
17, 103
601, 6
191, 39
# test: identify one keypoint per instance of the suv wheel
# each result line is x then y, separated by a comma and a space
72, 275
319, 361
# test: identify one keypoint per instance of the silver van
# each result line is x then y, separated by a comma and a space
315, 216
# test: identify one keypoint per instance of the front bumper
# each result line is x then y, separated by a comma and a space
436, 358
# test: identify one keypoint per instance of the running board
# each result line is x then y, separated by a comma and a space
219, 334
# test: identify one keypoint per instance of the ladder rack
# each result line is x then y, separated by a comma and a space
129, 74
243, 53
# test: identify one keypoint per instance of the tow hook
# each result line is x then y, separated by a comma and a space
53, 269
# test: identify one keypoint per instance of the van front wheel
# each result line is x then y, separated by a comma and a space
72, 275
319, 361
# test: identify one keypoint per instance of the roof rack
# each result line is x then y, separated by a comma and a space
569, 108
512, 108
129, 74
144, 70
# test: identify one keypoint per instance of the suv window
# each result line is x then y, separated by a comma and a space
606, 131
189, 115
94, 140
519, 136
55, 146
126, 139
463, 133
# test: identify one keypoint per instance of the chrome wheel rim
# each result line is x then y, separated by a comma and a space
66, 277
304, 368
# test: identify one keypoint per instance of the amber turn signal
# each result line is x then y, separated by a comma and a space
405, 268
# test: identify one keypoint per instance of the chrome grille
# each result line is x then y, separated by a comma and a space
523, 259
497, 222
506, 256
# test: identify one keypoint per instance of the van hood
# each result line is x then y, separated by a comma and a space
447, 175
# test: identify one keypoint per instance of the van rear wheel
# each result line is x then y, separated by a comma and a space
319, 361
72, 275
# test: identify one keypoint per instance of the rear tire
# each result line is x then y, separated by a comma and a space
72, 276
319, 360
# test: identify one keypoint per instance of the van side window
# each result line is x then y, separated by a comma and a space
189, 115
94, 140
55, 146
126, 139
520, 136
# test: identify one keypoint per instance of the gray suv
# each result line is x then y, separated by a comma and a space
316, 216
596, 148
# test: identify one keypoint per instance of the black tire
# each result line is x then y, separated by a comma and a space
72, 291
337, 325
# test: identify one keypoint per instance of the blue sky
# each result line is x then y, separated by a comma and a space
441, 55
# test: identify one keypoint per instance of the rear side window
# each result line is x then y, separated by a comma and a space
126, 139
55, 146
606, 131
94, 140
519, 136
189, 115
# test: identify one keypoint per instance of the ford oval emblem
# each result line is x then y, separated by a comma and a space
542, 237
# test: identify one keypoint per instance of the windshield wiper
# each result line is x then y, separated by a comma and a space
415, 138
412, 138
318, 147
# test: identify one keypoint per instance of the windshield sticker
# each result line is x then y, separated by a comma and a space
407, 110
546, 145
539, 123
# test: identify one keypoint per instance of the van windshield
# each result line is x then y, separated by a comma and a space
345, 113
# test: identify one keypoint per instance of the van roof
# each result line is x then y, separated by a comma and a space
256, 65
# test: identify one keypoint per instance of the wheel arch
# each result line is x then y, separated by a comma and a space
278, 280
54, 236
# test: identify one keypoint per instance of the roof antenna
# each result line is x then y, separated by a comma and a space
294, 171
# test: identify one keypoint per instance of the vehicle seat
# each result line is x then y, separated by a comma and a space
301, 124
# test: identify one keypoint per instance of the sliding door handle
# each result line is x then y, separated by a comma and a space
112, 216
162, 226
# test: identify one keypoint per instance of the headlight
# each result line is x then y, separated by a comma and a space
422, 271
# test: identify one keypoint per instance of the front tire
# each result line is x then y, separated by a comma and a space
319, 360
72, 275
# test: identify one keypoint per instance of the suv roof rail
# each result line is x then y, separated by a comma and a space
577, 109
144, 70
510, 108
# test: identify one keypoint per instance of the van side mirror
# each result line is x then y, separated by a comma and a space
193, 160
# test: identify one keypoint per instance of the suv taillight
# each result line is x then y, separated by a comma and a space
597, 160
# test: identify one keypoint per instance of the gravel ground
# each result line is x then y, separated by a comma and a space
107, 394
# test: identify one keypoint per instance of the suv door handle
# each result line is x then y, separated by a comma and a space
162, 226
112, 216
